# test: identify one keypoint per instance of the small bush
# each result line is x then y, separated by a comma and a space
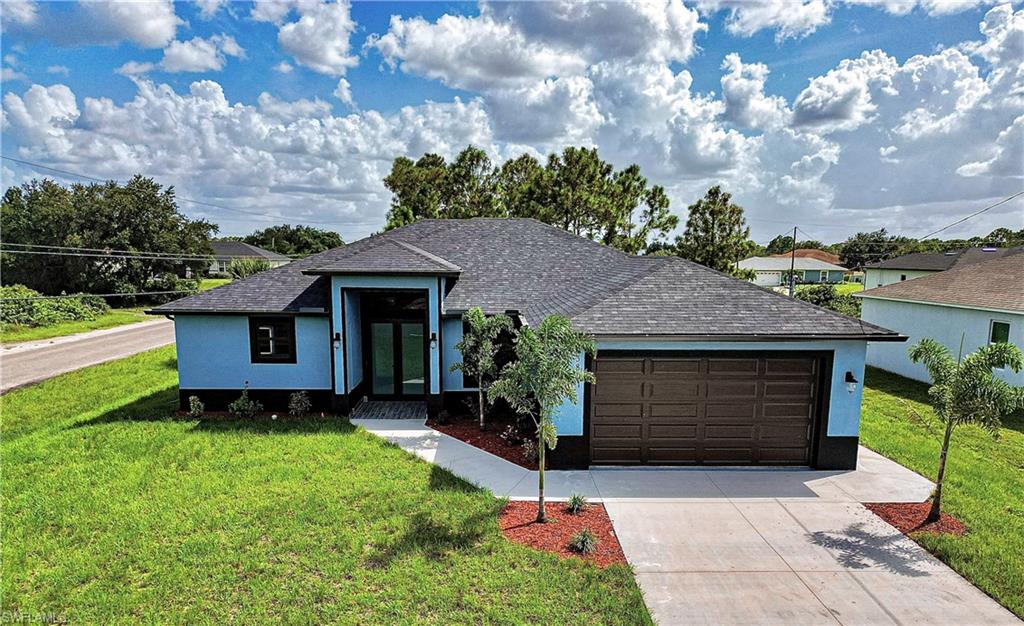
195, 407
511, 435
299, 404
244, 267
576, 503
826, 296
530, 451
245, 406
16, 307
583, 542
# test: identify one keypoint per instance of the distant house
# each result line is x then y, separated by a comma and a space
812, 253
979, 303
910, 266
771, 271
226, 251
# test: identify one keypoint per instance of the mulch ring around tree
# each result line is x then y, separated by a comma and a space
468, 430
518, 521
908, 518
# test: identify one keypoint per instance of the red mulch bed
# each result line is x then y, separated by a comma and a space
489, 440
908, 517
518, 523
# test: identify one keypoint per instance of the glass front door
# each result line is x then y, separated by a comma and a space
397, 358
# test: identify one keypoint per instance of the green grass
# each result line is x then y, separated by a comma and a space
842, 288
210, 283
115, 513
984, 482
10, 333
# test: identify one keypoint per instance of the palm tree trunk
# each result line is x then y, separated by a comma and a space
542, 514
480, 401
936, 510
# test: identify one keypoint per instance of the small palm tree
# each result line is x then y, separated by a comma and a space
964, 391
478, 350
545, 374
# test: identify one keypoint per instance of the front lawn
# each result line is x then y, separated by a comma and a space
11, 333
114, 512
984, 481
210, 283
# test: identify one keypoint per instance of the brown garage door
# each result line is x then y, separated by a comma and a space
734, 410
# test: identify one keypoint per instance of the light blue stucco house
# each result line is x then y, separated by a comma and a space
773, 271
975, 304
692, 366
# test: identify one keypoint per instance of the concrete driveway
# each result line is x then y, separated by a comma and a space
748, 546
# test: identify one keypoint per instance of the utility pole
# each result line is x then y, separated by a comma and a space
792, 266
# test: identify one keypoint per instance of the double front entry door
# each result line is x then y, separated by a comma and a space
398, 351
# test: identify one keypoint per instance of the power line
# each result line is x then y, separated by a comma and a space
138, 257
110, 250
975, 214
184, 199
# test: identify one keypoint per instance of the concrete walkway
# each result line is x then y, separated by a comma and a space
31, 362
747, 546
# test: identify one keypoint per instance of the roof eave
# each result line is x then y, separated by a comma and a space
157, 311
340, 272
748, 338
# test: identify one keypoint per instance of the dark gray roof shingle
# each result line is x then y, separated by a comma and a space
538, 269
942, 261
226, 250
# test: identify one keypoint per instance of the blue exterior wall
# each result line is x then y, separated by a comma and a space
354, 344
568, 418
213, 353
452, 334
814, 276
429, 283
844, 407
945, 324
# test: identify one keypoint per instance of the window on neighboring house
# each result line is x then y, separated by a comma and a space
903, 277
272, 339
824, 276
999, 332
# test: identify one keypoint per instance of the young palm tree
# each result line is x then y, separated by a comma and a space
478, 350
964, 391
545, 373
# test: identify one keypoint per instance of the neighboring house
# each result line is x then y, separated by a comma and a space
812, 253
692, 366
978, 304
911, 266
226, 251
771, 271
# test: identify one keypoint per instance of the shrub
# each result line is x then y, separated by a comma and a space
15, 308
245, 406
530, 451
299, 404
511, 435
195, 407
583, 542
244, 267
827, 297
576, 503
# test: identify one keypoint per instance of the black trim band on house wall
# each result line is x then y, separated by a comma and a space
271, 399
235, 313
344, 344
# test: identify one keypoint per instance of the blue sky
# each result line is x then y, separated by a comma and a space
810, 131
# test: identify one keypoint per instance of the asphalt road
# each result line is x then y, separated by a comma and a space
32, 362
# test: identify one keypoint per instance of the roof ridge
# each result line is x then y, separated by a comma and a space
655, 267
427, 255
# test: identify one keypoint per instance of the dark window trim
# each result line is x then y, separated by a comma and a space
992, 327
287, 323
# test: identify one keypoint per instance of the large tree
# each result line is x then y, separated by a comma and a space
716, 235
864, 248
964, 391
782, 244
130, 237
575, 190
294, 240
545, 373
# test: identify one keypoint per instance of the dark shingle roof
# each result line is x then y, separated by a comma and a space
537, 269
994, 284
388, 256
683, 298
942, 261
226, 250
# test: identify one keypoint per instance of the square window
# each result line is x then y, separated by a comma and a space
272, 339
903, 277
999, 332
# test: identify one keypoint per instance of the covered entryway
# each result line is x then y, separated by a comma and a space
727, 409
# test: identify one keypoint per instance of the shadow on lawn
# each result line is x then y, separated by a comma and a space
162, 405
435, 534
